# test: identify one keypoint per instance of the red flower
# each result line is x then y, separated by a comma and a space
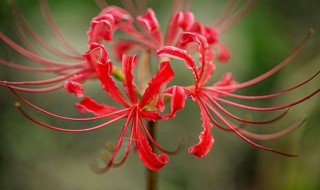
135, 112
209, 98
143, 32
184, 35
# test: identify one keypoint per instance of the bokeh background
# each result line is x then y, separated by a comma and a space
32, 157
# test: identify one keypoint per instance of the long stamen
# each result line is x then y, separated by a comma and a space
226, 11
48, 81
204, 102
266, 108
243, 11
117, 148
141, 5
247, 121
31, 55
67, 130
178, 149
101, 4
35, 69
177, 5
23, 25
187, 5
214, 90
128, 5
24, 39
135, 124
273, 70
201, 104
53, 25
266, 137
260, 136
244, 138
120, 112
38, 90
127, 150
143, 40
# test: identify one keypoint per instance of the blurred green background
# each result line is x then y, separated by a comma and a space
33, 157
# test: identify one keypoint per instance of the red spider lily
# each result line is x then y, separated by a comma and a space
144, 32
135, 111
146, 36
183, 36
208, 98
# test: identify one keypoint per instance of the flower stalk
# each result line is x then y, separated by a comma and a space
152, 176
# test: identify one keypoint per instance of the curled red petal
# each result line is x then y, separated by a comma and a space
123, 46
205, 138
206, 75
150, 23
211, 34
188, 37
97, 54
151, 115
160, 102
223, 53
149, 159
128, 64
226, 80
178, 53
89, 105
177, 101
161, 78
74, 87
186, 20
178, 20
98, 57
173, 28
103, 72
102, 28
118, 13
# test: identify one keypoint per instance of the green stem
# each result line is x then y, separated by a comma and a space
152, 176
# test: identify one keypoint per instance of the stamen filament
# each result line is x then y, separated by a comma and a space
31, 55
69, 130
226, 11
225, 121
273, 70
49, 81
265, 108
214, 90
35, 69
120, 112
38, 90
56, 31
266, 137
235, 18
23, 25
247, 121
154, 142
120, 140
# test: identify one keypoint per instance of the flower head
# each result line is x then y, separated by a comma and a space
146, 92
134, 111
209, 98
